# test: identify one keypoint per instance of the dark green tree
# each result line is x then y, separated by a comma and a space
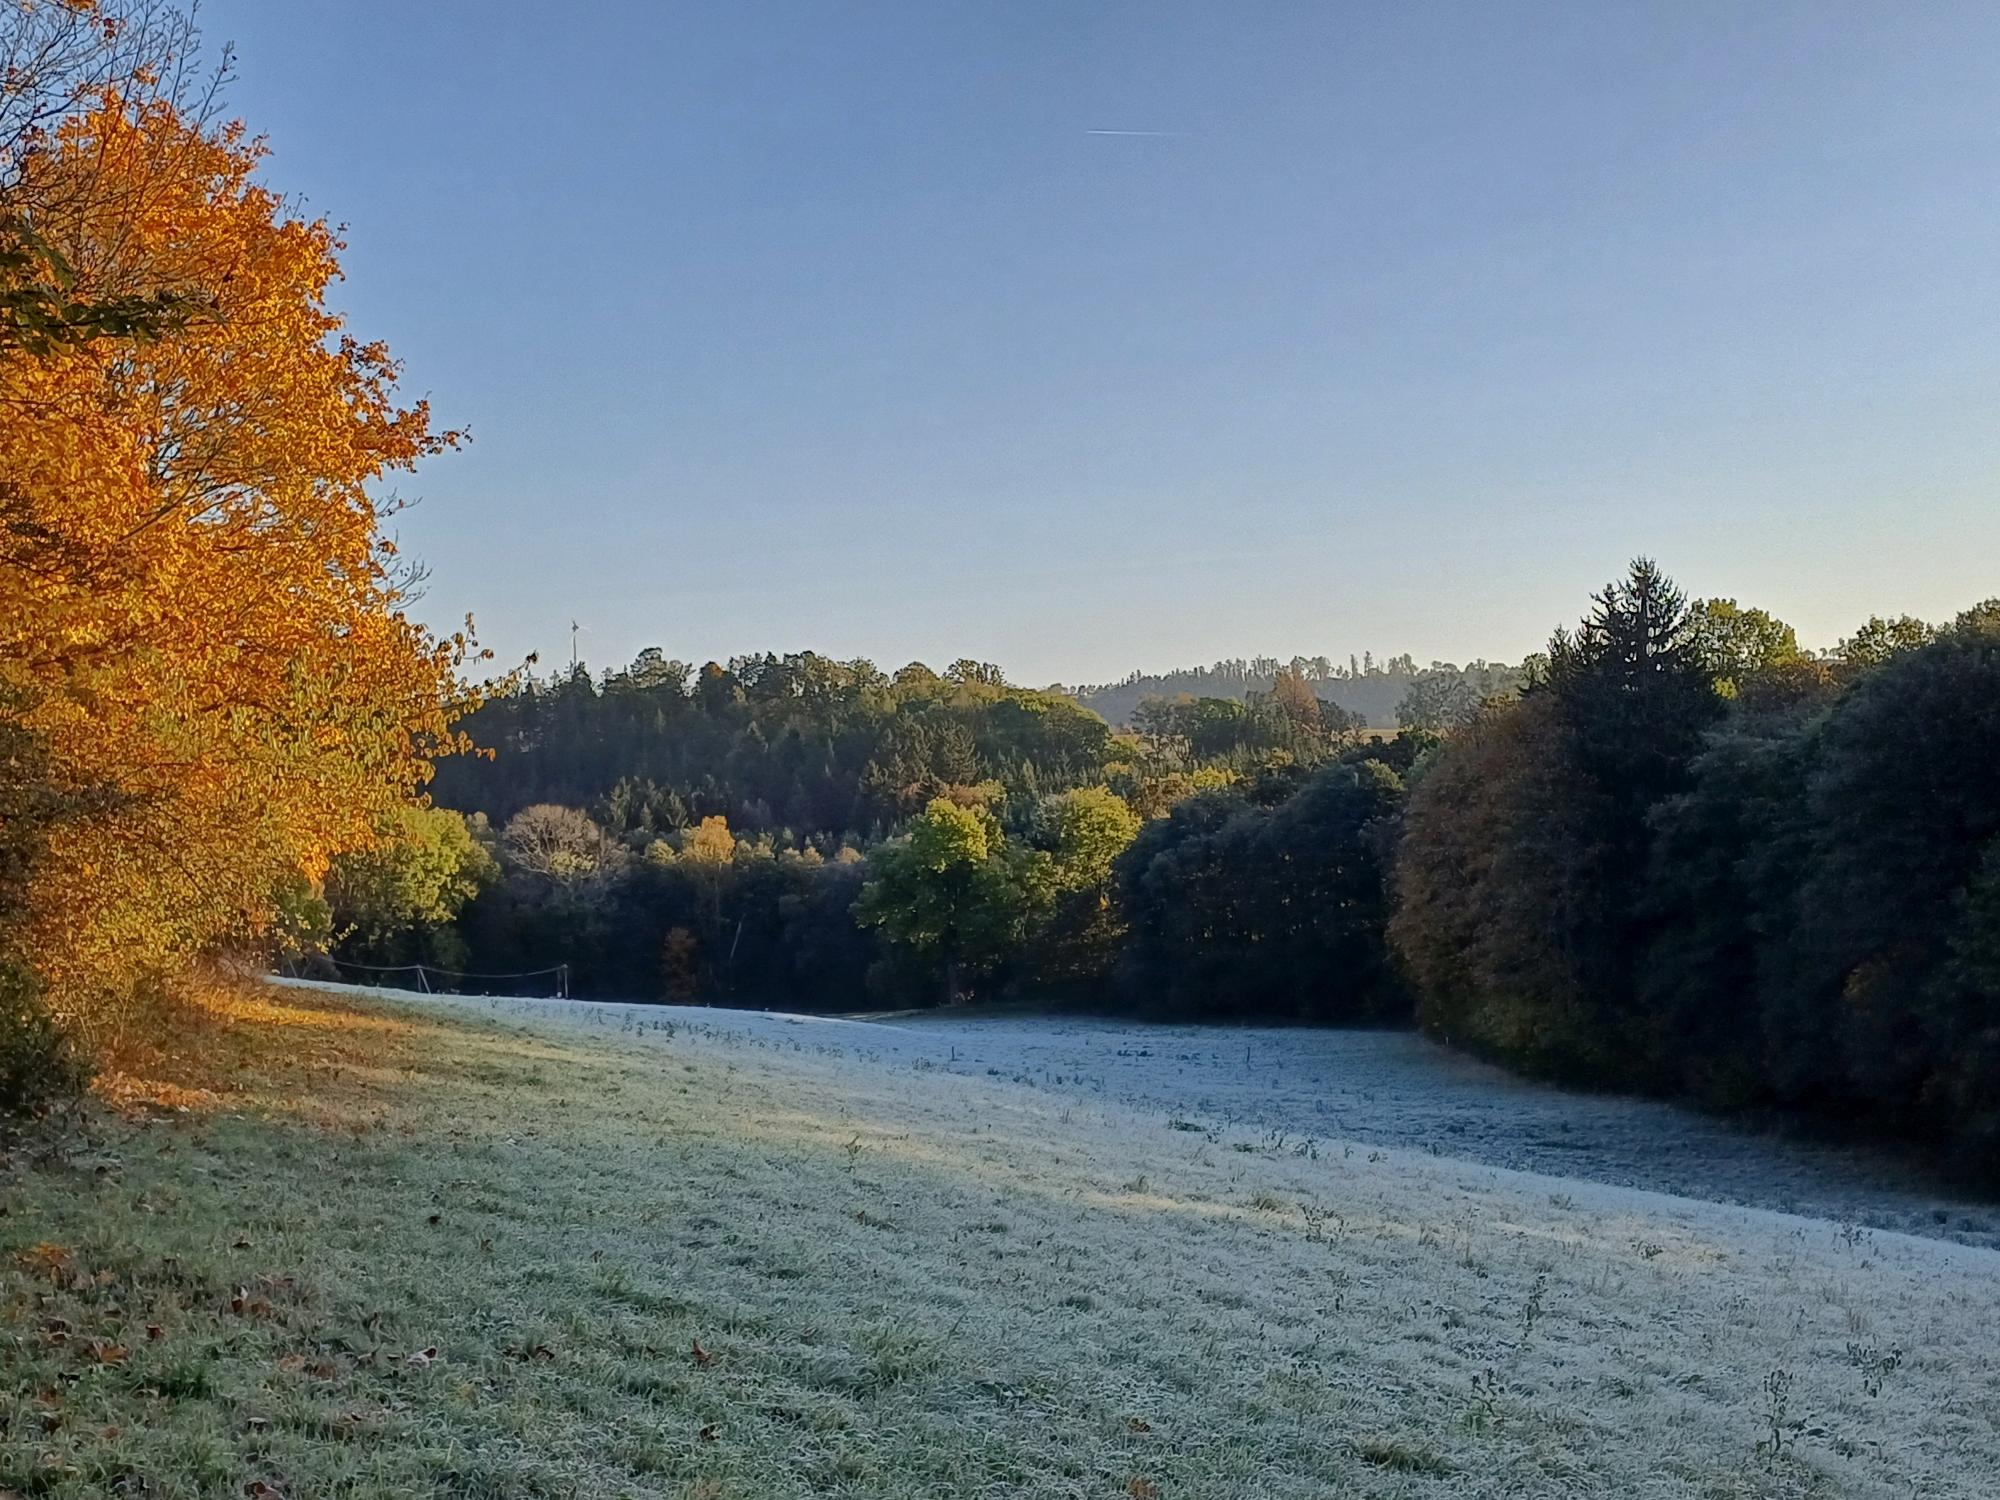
1254, 904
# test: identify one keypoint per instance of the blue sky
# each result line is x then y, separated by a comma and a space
841, 326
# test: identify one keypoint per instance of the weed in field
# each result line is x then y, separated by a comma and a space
1781, 1428
1487, 1390
1532, 1308
1875, 1364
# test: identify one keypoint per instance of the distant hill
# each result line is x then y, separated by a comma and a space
1362, 686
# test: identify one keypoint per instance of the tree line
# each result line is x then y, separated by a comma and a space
711, 833
1691, 859
1674, 853
1376, 693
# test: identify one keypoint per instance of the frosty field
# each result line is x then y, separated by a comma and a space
496, 1248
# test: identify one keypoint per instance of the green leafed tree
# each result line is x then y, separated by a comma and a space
1076, 941
416, 880
953, 893
1736, 644
1880, 639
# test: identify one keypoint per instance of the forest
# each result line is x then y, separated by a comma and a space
1675, 853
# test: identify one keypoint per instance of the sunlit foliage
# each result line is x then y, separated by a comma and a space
202, 631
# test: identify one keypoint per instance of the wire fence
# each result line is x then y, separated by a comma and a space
420, 977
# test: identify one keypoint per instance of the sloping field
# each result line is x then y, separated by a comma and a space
390, 1250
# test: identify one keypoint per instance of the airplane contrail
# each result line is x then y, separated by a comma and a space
1135, 132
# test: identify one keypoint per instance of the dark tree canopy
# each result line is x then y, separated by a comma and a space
801, 742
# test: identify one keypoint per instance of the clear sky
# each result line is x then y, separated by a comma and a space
1083, 337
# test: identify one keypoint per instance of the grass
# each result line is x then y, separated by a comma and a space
356, 1249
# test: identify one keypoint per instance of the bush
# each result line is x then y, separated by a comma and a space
40, 1066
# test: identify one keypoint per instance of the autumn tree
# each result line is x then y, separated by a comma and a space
706, 854
201, 619
1293, 697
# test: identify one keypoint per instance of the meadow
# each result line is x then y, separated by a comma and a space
355, 1247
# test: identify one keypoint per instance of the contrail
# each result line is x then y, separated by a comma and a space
1135, 132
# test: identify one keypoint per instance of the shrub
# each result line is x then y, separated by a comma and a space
39, 1065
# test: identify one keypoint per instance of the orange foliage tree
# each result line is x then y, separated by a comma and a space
202, 628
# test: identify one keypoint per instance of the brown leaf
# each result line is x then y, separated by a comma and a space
107, 1353
435, 1219
154, 1333
1141, 1488
710, 1432
242, 1242
1138, 1424
423, 1358
701, 1355
55, 1259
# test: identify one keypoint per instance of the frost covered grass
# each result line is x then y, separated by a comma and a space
504, 1251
